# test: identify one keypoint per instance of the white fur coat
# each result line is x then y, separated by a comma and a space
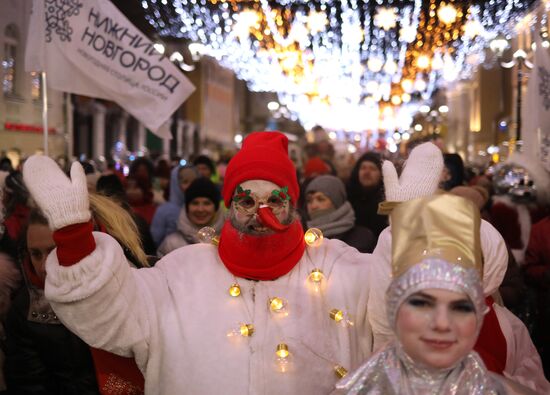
174, 318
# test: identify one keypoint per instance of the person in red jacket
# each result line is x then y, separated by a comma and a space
537, 271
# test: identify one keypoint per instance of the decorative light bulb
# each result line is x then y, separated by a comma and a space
407, 33
282, 358
313, 237
340, 371
447, 14
316, 276
340, 317
375, 64
407, 85
244, 330
423, 62
278, 305
472, 28
235, 290
390, 67
386, 17
282, 350
317, 22
498, 44
207, 235
420, 85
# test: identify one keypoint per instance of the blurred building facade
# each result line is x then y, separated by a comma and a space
21, 95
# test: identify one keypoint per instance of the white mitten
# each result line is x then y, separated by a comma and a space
420, 176
63, 201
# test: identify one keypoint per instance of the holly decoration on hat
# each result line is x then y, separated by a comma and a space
281, 193
241, 193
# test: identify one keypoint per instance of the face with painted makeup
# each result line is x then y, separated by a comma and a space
437, 327
249, 197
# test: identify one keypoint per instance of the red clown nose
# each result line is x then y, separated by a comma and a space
270, 220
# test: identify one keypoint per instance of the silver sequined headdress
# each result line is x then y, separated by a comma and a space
436, 244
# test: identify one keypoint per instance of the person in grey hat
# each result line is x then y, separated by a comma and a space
328, 210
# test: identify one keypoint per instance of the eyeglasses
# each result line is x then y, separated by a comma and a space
249, 204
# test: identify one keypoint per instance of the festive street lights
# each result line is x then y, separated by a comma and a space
498, 45
520, 60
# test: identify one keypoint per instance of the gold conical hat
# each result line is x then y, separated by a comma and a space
440, 226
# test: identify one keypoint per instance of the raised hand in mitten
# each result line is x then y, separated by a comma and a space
63, 201
420, 176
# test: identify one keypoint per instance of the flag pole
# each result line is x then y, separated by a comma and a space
45, 112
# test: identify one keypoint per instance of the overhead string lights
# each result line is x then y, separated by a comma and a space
327, 54
324, 56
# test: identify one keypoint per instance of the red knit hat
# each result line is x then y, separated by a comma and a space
263, 156
315, 167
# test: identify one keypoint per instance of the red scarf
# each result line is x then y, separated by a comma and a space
491, 343
261, 257
31, 275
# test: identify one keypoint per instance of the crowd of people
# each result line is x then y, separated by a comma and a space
404, 277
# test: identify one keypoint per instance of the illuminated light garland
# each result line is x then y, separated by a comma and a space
340, 371
244, 330
318, 50
235, 290
282, 358
447, 14
341, 317
278, 305
316, 276
208, 235
313, 237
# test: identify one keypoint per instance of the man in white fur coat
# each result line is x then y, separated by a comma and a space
261, 313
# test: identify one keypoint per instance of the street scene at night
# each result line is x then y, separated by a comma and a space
274, 197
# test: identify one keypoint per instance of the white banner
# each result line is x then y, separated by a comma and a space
536, 108
89, 47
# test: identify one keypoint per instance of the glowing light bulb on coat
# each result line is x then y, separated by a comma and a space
316, 279
340, 317
282, 358
340, 371
208, 235
234, 290
278, 305
313, 237
244, 330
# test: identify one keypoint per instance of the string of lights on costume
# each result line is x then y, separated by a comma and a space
279, 306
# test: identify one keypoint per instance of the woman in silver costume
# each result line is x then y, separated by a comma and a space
435, 305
